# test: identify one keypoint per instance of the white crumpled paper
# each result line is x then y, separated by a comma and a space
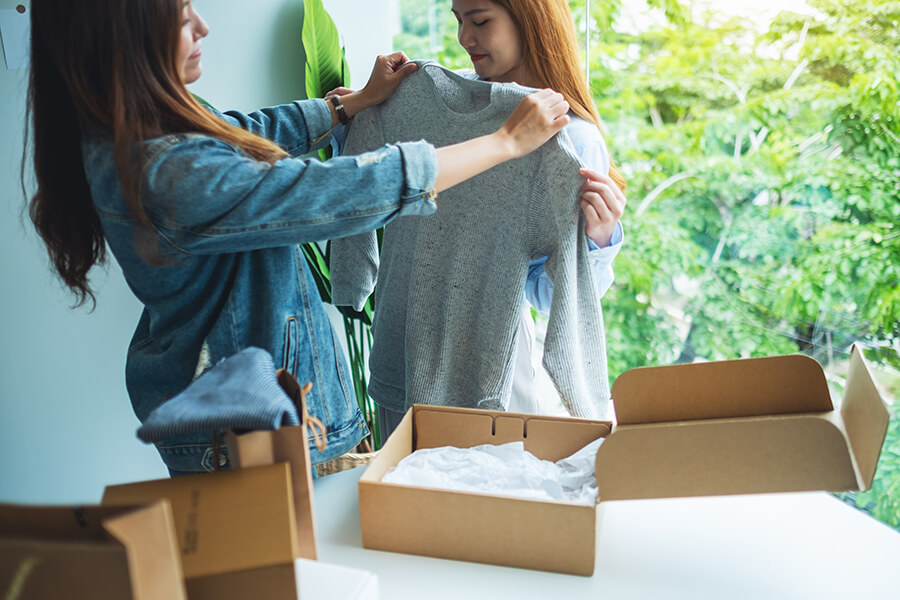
507, 470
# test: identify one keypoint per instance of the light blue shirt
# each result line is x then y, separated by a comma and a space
592, 152
539, 288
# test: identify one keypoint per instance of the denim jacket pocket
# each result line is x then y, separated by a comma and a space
290, 359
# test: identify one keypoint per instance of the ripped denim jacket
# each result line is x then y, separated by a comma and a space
227, 270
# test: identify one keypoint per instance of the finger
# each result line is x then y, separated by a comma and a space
557, 105
610, 195
338, 91
592, 219
592, 175
595, 201
604, 188
542, 94
408, 68
558, 123
396, 59
551, 104
547, 97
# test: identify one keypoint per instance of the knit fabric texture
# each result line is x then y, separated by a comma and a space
450, 285
240, 393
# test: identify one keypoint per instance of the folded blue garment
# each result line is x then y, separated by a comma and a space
240, 393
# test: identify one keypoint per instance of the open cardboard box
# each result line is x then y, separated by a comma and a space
732, 427
290, 445
250, 532
236, 530
89, 553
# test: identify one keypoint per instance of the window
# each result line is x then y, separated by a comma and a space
763, 164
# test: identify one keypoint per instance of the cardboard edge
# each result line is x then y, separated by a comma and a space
260, 448
398, 445
547, 437
747, 387
272, 581
154, 558
484, 528
141, 491
386, 510
54, 568
865, 418
767, 454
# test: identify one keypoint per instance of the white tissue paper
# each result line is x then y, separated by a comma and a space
507, 470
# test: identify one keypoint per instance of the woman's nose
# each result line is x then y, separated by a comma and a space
465, 37
202, 29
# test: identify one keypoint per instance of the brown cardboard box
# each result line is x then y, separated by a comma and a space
733, 427
236, 529
89, 553
289, 445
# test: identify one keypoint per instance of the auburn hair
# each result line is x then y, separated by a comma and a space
110, 66
550, 54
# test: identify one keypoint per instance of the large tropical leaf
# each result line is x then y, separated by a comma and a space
325, 65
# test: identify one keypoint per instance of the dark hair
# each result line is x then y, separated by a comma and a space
108, 64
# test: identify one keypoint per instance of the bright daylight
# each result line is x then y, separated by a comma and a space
450, 299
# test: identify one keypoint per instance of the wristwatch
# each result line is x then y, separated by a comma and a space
339, 109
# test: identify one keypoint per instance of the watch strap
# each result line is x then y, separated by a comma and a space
339, 109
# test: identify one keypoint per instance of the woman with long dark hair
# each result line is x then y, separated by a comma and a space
204, 211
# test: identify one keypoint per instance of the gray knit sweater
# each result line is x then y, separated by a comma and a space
450, 284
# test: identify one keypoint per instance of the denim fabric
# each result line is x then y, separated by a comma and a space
240, 393
228, 272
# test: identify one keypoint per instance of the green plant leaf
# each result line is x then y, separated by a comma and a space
325, 64
202, 101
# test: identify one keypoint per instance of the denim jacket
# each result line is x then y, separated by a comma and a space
226, 270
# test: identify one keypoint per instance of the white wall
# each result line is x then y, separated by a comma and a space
66, 426
366, 30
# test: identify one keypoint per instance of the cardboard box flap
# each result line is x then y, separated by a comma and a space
724, 456
36, 569
773, 451
154, 559
288, 444
59, 523
548, 438
865, 417
225, 520
726, 389
91, 552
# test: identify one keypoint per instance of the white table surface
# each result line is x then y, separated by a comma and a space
770, 546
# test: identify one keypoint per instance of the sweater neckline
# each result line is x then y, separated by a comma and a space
497, 91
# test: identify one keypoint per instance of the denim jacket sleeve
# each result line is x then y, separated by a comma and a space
299, 127
204, 196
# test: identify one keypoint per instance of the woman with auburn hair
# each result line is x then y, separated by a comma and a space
532, 43
204, 211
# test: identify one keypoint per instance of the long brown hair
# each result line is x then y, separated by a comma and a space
110, 65
550, 54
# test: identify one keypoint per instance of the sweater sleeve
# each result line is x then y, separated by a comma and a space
539, 288
575, 343
354, 260
588, 147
